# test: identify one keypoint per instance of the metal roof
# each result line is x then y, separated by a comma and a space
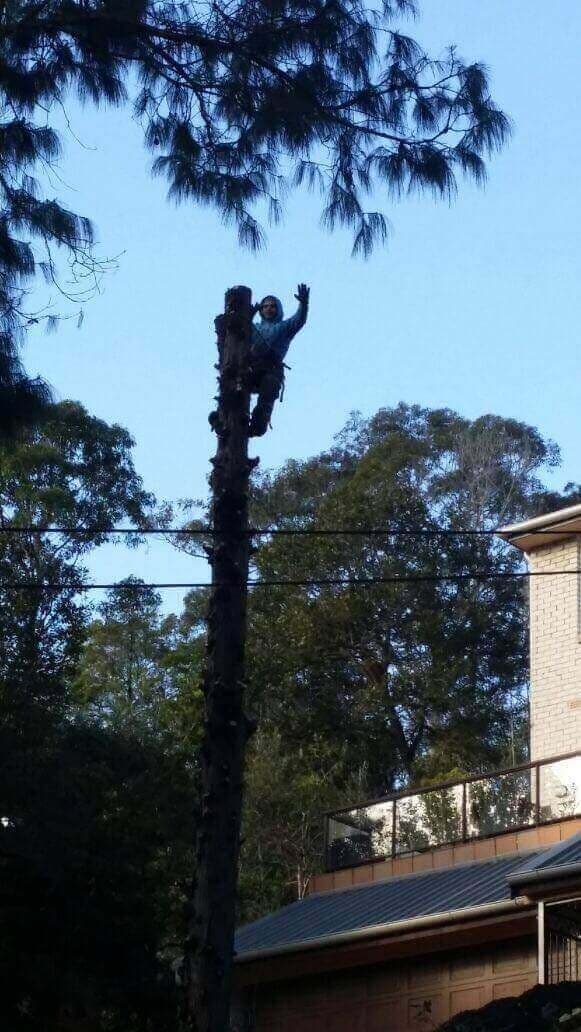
327, 915
564, 858
541, 530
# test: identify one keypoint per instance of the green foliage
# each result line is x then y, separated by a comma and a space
97, 797
142, 672
239, 102
287, 790
357, 690
74, 471
369, 689
569, 1022
94, 850
410, 678
501, 803
427, 819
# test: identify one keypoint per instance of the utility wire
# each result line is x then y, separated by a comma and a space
208, 531
292, 582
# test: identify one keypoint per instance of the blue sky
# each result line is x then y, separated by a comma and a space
475, 306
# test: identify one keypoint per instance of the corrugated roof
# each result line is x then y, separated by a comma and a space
550, 862
381, 903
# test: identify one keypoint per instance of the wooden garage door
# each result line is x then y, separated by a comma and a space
403, 997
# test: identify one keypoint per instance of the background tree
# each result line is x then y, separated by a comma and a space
238, 102
420, 676
141, 670
361, 690
288, 787
358, 690
75, 471
97, 809
99, 729
94, 853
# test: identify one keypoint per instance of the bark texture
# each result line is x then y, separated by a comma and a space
210, 948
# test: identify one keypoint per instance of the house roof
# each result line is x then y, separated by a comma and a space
542, 530
561, 860
380, 907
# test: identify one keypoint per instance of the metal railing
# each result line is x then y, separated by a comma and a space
562, 941
455, 811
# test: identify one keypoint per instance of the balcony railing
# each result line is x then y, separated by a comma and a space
455, 811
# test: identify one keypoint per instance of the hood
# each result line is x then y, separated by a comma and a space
279, 312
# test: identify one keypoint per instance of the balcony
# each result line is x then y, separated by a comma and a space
455, 811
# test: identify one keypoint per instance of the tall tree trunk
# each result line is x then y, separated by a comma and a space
209, 955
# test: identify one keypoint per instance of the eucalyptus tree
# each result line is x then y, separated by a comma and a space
416, 676
359, 689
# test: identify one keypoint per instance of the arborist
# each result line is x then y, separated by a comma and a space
269, 344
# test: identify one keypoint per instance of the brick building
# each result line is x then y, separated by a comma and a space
440, 900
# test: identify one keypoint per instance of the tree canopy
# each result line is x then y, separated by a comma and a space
357, 690
96, 809
73, 471
418, 677
94, 851
363, 689
239, 101
141, 670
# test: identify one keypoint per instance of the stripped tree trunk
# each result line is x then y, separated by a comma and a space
208, 963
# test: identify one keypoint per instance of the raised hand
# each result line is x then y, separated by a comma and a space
302, 294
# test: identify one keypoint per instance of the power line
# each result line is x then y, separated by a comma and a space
207, 531
287, 582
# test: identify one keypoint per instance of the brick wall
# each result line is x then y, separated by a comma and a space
555, 651
398, 996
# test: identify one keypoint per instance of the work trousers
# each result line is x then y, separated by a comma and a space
267, 381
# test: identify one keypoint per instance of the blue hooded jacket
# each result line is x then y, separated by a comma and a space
273, 336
